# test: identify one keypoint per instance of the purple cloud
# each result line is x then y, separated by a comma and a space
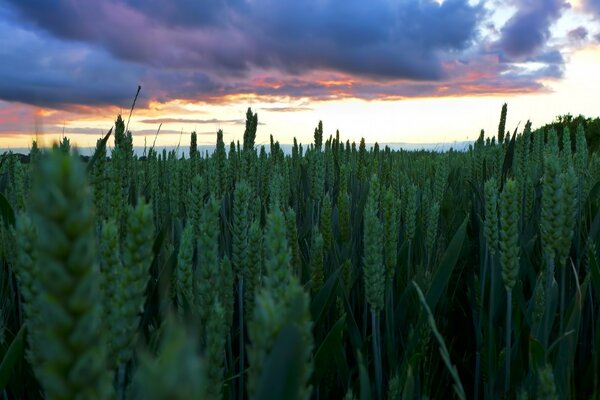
192, 121
593, 6
43, 71
67, 52
378, 38
287, 109
528, 30
578, 34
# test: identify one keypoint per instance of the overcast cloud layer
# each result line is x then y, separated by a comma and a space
66, 53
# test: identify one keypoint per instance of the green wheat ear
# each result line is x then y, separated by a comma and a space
292, 237
390, 233
326, 222
26, 271
316, 262
344, 216
433, 216
297, 303
226, 298
184, 276
272, 312
177, 372
546, 384
206, 279
374, 269
552, 218
137, 256
349, 395
196, 201
99, 181
277, 254
537, 311
490, 227
410, 211
216, 335
509, 233
569, 199
395, 388
262, 331
582, 154
254, 268
112, 270
72, 350
26, 265
281, 301
240, 227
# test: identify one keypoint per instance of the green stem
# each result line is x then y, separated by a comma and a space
596, 359
562, 296
594, 329
230, 363
480, 325
241, 338
491, 327
365, 317
477, 373
389, 317
121, 381
522, 201
508, 337
408, 267
376, 353
548, 297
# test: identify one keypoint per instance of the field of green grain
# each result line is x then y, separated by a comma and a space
338, 271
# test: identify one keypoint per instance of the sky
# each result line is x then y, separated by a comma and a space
391, 71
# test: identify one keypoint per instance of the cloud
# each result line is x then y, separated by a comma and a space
593, 6
49, 72
14, 115
46, 71
578, 34
528, 30
549, 56
82, 130
192, 121
188, 13
379, 38
64, 53
287, 109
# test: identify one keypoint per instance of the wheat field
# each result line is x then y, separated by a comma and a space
339, 270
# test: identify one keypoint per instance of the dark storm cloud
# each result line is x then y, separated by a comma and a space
188, 13
377, 38
45, 71
49, 72
550, 56
67, 52
527, 32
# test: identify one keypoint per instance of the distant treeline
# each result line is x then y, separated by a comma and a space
590, 125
